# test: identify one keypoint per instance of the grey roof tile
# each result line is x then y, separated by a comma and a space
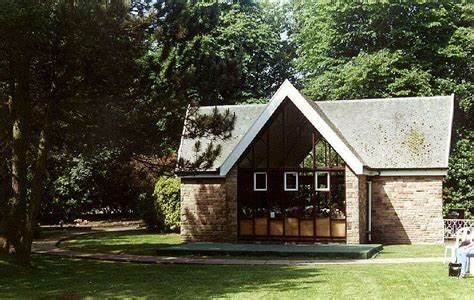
405, 133
395, 133
245, 116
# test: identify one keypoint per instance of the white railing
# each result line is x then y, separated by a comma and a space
451, 226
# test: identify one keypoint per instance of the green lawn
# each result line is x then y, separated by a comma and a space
137, 242
74, 279
143, 243
404, 251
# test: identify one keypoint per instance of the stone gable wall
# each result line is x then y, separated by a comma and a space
407, 209
356, 203
209, 208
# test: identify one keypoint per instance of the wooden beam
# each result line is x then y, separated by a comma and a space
314, 149
294, 169
283, 133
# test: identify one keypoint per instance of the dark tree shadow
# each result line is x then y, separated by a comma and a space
55, 277
387, 227
209, 218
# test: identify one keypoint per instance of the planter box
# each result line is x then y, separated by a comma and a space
246, 227
338, 228
323, 226
260, 226
291, 226
276, 227
307, 227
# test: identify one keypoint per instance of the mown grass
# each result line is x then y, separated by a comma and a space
54, 277
409, 251
140, 242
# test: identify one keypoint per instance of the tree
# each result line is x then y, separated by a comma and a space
59, 61
97, 90
210, 53
220, 53
382, 49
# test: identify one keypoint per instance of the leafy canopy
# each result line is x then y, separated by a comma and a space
350, 50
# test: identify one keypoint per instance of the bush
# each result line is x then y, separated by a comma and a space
168, 201
147, 210
162, 211
100, 184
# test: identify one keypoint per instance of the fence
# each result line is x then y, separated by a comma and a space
451, 226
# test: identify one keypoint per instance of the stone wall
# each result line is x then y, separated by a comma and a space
404, 209
231, 200
209, 208
407, 210
356, 207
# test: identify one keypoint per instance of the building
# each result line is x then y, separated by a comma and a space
350, 171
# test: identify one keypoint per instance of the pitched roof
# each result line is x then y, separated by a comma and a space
245, 115
395, 133
391, 133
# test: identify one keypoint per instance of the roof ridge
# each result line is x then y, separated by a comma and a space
384, 99
231, 105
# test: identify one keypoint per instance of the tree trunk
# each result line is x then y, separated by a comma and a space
5, 177
37, 185
18, 204
4, 196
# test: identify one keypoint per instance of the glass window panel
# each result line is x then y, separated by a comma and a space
259, 181
338, 195
324, 205
322, 181
291, 181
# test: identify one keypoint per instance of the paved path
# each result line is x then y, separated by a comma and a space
49, 246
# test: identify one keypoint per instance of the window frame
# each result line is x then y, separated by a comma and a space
284, 182
255, 182
328, 176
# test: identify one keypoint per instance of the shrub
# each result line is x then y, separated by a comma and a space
168, 202
147, 210
162, 211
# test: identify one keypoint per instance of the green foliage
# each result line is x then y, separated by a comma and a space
255, 101
148, 212
380, 74
99, 183
219, 53
460, 181
381, 49
162, 211
168, 202
211, 53
119, 84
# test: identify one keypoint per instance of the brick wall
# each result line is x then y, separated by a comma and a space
356, 212
209, 208
407, 209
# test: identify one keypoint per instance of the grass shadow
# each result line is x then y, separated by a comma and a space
75, 279
55, 277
